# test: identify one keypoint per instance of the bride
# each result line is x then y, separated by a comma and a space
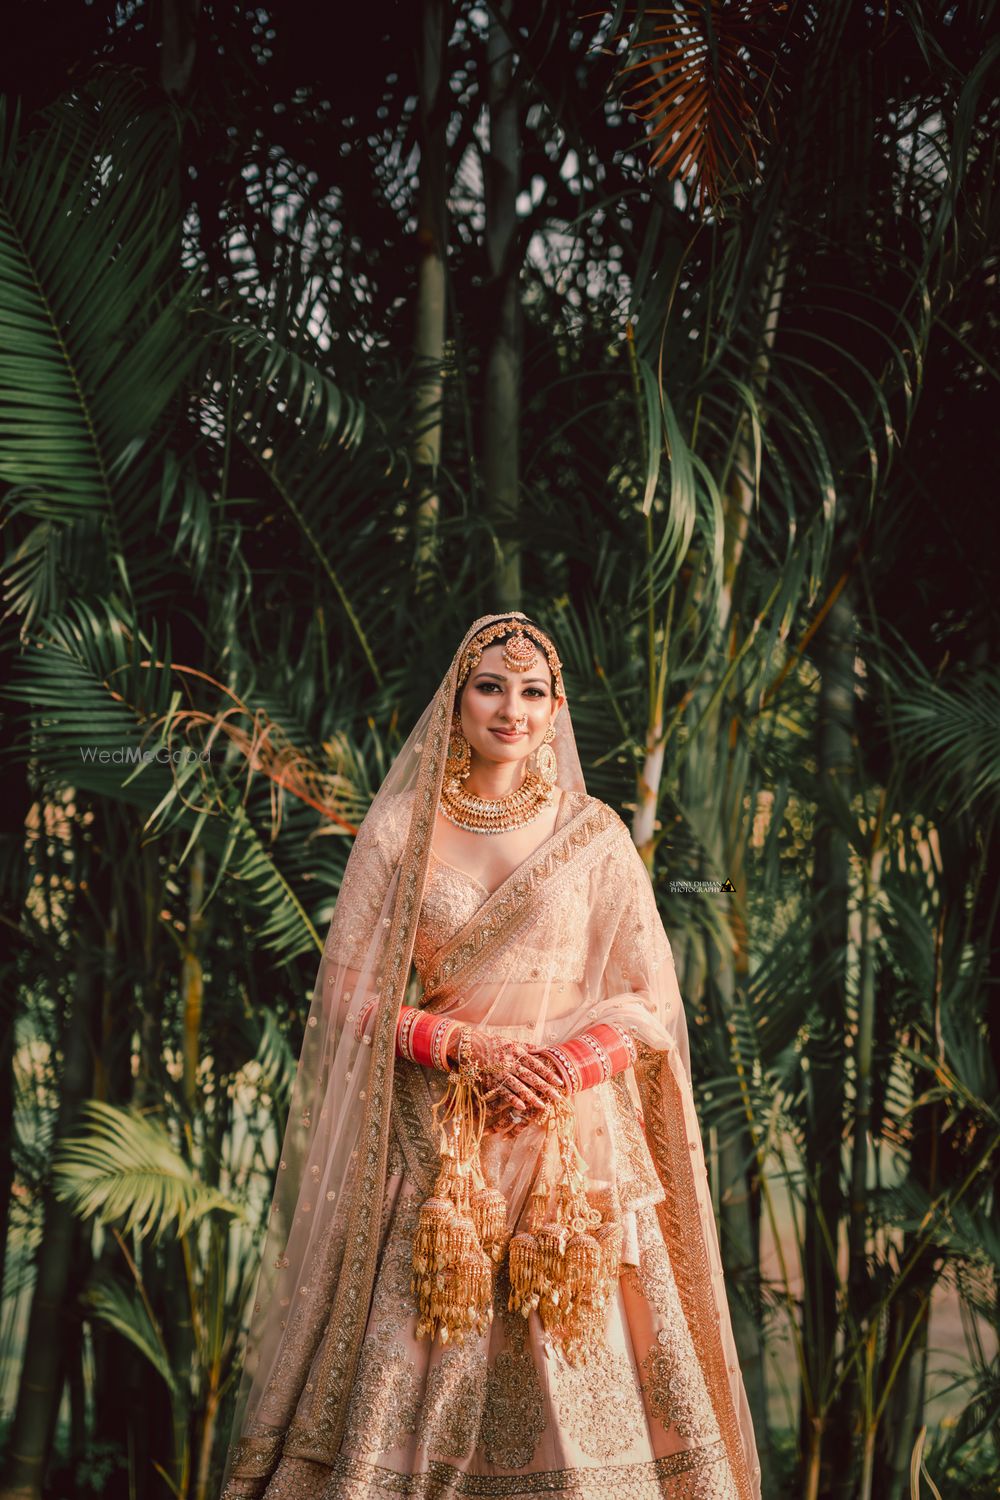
491, 1264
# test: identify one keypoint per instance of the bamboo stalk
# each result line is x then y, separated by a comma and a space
192, 986
29, 1440
502, 396
432, 298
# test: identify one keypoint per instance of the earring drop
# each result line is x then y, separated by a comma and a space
459, 761
545, 758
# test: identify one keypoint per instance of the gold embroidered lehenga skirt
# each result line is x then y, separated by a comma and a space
504, 1413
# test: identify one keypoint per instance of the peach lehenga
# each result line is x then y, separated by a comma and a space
339, 1398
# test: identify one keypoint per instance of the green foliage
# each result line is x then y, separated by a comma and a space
125, 1170
129, 1314
96, 344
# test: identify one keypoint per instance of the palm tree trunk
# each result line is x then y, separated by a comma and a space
740, 496
739, 1223
502, 403
178, 39
192, 979
14, 811
824, 1070
432, 235
906, 1401
7, 1019
856, 1403
858, 1208
904, 1411
30, 1440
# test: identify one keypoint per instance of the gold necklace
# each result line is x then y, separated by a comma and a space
495, 814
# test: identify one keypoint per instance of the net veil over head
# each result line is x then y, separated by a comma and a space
573, 936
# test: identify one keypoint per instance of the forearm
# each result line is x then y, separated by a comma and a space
421, 1037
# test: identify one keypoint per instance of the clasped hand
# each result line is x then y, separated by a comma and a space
518, 1083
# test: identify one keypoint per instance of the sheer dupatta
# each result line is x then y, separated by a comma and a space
573, 935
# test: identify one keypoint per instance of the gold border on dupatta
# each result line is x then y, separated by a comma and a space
415, 1125
667, 1137
318, 1437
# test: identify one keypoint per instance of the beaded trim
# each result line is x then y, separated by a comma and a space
600, 1053
407, 1021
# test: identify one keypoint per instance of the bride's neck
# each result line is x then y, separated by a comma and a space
490, 779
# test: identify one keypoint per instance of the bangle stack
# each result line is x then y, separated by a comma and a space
420, 1037
596, 1055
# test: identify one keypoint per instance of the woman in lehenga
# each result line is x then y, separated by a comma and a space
491, 1265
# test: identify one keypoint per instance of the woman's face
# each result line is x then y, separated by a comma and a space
505, 714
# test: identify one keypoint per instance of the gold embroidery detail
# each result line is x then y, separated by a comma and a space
514, 1412
680, 1219
256, 1452
512, 905
702, 1474
396, 1162
638, 1185
599, 1404
414, 1124
676, 1393
453, 1402
393, 1302
694, 1474
385, 1398
672, 1377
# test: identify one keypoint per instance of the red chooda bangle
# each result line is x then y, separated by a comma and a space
595, 1055
420, 1037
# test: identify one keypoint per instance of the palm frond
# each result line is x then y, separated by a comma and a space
271, 371
949, 734
707, 99
95, 343
125, 1169
276, 1059
129, 1315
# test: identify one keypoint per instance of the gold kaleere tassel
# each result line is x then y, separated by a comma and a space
525, 1263
566, 1265
462, 1228
489, 1214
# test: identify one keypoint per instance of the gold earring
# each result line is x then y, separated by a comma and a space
459, 761
545, 758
